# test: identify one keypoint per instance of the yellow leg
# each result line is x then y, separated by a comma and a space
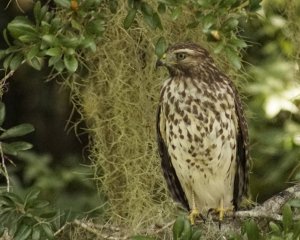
194, 212
221, 210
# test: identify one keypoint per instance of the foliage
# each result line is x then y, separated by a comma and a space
118, 97
23, 217
182, 230
29, 217
7, 144
219, 21
285, 229
13, 147
49, 37
71, 187
288, 228
273, 94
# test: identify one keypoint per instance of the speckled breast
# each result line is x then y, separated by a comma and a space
200, 132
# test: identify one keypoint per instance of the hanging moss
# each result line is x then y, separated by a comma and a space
119, 103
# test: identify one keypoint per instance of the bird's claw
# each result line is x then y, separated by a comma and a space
193, 215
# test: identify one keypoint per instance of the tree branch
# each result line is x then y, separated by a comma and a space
271, 208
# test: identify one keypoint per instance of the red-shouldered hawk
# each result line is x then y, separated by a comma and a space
202, 133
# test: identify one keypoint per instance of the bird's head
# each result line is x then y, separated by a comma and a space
185, 59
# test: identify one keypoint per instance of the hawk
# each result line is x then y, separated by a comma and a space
202, 133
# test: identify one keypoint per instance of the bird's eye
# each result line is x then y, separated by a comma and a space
180, 56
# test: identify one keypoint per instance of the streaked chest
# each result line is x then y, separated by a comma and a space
199, 123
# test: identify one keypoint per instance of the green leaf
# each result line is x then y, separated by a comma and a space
160, 47
47, 230
32, 195
6, 199
42, 204
36, 63
161, 8
129, 18
87, 4
21, 26
187, 230
44, 11
238, 43
2, 230
293, 203
36, 234
48, 214
53, 60
233, 58
208, 21
17, 131
254, 5
178, 227
21, 146
59, 65
3, 53
219, 47
7, 61
275, 228
56, 24
27, 38
136, 4
176, 13
63, 3
16, 61
230, 24
53, 52
33, 52
8, 149
76, 25
6, 37
196, 235
70, 42
146, 9
96, 27
70, 51
252, 230
205, 3
227, 3
37, 11
113, 6
296, 229
287, 217
71, 63
89, 43
157, 21
49, 39
23, 232
2, 113
150, 21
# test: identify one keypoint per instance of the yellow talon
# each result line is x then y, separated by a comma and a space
195, 212
193, 215
221, 210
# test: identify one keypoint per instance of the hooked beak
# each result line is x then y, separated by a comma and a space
161, 62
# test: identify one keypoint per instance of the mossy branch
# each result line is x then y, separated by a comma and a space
271, 208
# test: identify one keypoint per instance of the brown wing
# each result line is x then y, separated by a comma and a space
168, 169
242, 173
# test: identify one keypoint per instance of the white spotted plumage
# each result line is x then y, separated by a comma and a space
202, 133
210, 180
